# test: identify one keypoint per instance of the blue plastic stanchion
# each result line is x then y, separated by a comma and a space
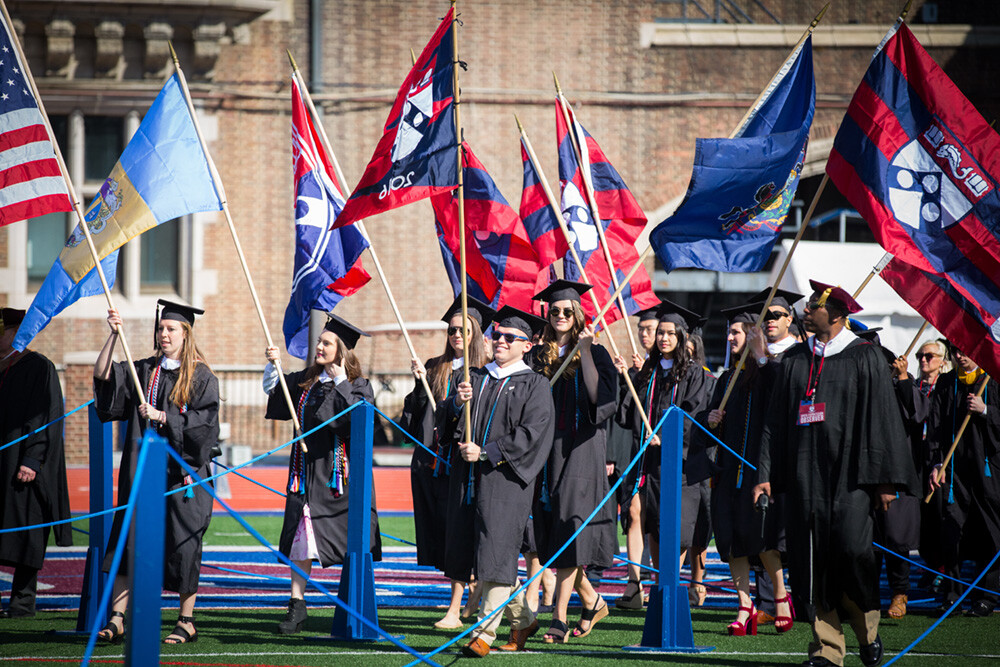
100, 526
668, 617
357, 579
146, 557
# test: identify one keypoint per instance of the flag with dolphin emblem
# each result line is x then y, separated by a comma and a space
417, 156
327, 261
162, 174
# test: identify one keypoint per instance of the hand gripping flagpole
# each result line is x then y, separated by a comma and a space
588, 186
467, 407
77, 206
217, 181
339, 176
576, 259
958, 435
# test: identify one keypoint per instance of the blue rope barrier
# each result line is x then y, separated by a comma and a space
940, 574
639, 565
709, 433
256, 575
82, 517
415, 439
957, 605
102, 608
397, 539
295, 568
586, 522
81, 530
42, 428
249, 479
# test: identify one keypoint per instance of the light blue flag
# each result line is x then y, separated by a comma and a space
162, 174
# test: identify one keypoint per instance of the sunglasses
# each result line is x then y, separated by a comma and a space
453, 330
926, 356
775, 315
815, 305
509, 337
565, 312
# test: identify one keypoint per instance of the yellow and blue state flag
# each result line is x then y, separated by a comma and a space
162, 174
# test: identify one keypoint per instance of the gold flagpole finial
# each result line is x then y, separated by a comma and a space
291, 59
556, 80
819, 17
906, 10
520, 128
173, 54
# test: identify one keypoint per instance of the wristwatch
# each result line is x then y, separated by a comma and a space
482, 455
761, 361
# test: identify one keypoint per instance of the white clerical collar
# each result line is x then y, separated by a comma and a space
781, 345
457, 363
666, 364
501, 373
324, 377
168, 364
836, 345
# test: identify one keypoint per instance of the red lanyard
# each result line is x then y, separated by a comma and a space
810, 387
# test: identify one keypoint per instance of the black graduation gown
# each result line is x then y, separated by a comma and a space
30, 397
971, 491
428, 474
691, 394
489, 504
830, 471
574, 479
193, 433
740, 530
328, 511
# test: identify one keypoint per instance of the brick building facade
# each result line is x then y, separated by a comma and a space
645, 81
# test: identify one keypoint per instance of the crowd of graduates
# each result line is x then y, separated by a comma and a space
830, 445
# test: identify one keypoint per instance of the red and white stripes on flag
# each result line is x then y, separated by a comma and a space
30, 181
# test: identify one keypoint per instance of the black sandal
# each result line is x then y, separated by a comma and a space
558, 633
592, 616
114, 636
185, 636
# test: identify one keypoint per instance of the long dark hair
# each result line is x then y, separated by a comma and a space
347, 359
439, 368
548, 357
681, 356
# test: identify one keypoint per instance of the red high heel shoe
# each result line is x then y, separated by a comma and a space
784, 623
747, 627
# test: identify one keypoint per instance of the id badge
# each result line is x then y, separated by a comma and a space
811, 413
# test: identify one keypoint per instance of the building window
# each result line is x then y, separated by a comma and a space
91, 146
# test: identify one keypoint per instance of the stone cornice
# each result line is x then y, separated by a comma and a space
725, 35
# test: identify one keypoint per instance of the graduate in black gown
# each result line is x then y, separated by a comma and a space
703, 520
429, 472
33, 486
669, 377
315, 524
741, 532
494, 469
574, 479
180, 402
834, 443
970, 485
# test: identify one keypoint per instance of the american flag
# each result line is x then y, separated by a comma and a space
30, 181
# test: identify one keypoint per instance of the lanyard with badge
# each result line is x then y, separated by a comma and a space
811, 412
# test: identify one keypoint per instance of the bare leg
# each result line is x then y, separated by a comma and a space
472, 604
565, 581
119, 603
740, 567
548, 587
187, 609
298, 582
531, 592
698, 575
633, 539
772, 563
451, 619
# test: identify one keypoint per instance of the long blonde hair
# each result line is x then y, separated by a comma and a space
345, 357
190, 357
548, 357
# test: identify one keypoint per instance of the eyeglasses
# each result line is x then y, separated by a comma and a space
926, 356
453, 330
814, 305
509, 337
565, 312
775, 315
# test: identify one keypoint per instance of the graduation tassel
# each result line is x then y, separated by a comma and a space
190, 490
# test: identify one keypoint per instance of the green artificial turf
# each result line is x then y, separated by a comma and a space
246, 637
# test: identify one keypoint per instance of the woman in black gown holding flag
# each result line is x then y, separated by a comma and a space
315, 524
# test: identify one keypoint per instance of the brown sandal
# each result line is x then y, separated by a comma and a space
897, 609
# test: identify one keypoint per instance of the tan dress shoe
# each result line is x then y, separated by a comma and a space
477, 648
518, 638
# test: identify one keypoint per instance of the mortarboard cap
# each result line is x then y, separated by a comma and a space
11, 317
520, 320
345, 331
745, 312
690, 320
477, 310
650, 313
782, 298
176, 311
837, 293
562, 290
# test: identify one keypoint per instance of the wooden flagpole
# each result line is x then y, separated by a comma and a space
77, 206
217, 180
877, 269
913, 343
958, 436
339, 175
595, 214
576, 258
460, 164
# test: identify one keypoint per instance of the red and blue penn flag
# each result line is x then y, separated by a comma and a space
417, 156
621, 218
920, 164
327, 261
539, 219
501, 265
